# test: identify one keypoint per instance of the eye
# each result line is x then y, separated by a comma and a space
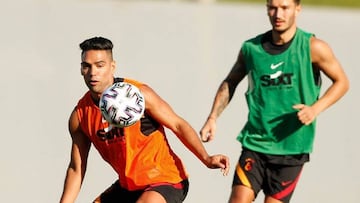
285, 8
85, 65
271, 8
100, 65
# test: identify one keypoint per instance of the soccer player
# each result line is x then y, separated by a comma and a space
148, 170
283, 68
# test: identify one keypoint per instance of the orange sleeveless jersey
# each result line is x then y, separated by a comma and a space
140, 154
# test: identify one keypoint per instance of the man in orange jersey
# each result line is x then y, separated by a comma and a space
148, 170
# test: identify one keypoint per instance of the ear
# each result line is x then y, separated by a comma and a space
297, 10
113, 66
81, 70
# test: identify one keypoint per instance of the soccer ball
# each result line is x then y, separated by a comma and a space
122, 104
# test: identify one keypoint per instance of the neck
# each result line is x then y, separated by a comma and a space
280, 38
95, 97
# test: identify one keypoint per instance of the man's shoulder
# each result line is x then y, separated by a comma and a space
304, 33
256, 38
85, 100
129, 80
252, 43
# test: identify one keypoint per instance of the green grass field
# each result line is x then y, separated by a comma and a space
331, 3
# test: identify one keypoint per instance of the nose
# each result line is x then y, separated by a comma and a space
92, 70
279, 13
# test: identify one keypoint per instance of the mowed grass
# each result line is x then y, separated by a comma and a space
330, 3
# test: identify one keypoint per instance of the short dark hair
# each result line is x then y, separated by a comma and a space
96, 43
297, 2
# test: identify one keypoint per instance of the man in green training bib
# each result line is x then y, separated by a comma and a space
283, 68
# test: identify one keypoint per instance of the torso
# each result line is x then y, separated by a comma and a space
126, 149
279, 77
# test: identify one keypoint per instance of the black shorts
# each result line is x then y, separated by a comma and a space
173, 193
276, 175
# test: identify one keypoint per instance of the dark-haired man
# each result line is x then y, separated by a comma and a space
283, 67
148, 169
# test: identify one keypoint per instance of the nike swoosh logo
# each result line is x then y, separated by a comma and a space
274, 66
285, 183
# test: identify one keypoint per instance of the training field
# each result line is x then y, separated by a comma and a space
183, 50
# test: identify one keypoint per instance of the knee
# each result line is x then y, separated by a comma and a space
241, 194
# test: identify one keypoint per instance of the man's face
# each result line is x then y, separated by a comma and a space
97, 68
282, 14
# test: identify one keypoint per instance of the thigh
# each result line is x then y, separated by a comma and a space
249, 171
116, 194
281, 181
172, 193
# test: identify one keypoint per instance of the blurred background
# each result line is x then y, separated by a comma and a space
183, 49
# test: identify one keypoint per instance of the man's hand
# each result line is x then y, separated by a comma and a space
219, 161
306, 114
207, 132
